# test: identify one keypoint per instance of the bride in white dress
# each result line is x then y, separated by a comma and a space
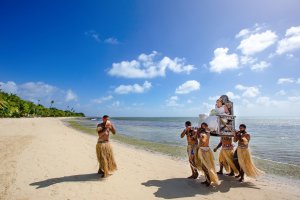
213, 120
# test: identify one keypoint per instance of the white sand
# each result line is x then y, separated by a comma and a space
44, 159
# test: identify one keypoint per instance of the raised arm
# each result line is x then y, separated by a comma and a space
112, 129
247, 136
236, 137
219, 145
183, 133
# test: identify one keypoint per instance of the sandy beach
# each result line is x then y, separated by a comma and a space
41, 158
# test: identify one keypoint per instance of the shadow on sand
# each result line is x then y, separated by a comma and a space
73, 178
182, 187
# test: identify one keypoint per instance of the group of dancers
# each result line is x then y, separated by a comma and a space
236, 162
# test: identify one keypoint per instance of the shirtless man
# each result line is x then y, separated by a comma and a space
205, 157
226, 156
242, 155
192, 144
103, 148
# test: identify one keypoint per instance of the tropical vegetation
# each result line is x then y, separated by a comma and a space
13, 106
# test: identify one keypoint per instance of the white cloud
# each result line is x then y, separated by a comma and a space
291, 42
188, 87
248, 91
266, 101
231, 95
290, 56
247, 104
281, 93
215, 98
247, 60
93, 34
294, 98
147, 66
208, 106
298, 80
285, 80
242, 33
116, 104
148, 58
261, 66
267, 106
37, 89
189, 101
257, 42
34, 91
138, 104
172, 101
107, 98
71, 96
177, 65
112, 40
271, 55
9, 87
223, 61
263, 100
102, 99
135, 88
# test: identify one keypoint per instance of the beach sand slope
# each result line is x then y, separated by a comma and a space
41, 158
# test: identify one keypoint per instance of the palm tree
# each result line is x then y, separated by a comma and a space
3, 103
13, 106
52, 102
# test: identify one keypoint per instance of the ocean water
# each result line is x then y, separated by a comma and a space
275, 140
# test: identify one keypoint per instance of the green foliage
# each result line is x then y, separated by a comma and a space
3, 103
13, 106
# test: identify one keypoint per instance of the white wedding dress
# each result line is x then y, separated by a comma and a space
213, 120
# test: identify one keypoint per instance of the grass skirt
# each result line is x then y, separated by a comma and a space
205, 158
246, 163
105, 158
226, 158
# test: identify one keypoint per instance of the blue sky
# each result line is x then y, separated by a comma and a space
153, 58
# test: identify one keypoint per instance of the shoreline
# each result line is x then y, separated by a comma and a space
59, 162
277, 169
124, 140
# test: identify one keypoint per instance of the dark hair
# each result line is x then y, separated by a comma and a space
188, 123
105, 116
224, 98
243, 125
204, 124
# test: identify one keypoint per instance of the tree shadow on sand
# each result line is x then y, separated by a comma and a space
183, 187
73, 178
